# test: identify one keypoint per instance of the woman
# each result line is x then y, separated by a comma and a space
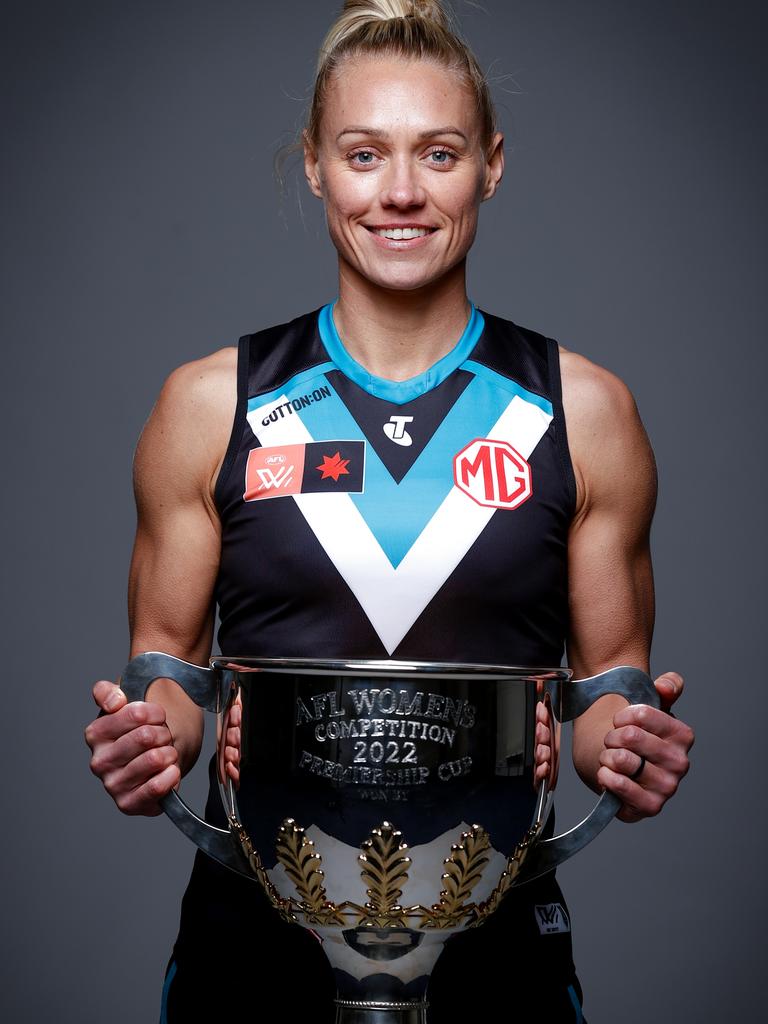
404, 373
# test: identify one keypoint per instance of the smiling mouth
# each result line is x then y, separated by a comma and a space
398, 234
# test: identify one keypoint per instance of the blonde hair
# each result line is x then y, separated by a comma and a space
410, 29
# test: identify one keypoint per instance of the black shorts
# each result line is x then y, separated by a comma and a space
234, 956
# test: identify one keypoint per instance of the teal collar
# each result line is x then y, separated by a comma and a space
398, 391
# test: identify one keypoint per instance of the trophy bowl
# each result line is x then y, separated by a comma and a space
385, 805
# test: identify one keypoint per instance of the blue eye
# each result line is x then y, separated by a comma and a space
365, 156
442, 157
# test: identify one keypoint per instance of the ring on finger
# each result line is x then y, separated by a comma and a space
639, 770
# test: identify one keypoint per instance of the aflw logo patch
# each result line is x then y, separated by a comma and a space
552, 918
331, 467
493, 474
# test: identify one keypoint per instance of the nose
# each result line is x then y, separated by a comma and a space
401, 186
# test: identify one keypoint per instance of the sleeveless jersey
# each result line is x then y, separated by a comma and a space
424, 519
363, 518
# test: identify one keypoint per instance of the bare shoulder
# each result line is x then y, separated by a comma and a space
609, 447
202, 382
188, 430
593, 395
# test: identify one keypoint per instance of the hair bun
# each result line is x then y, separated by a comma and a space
383, 10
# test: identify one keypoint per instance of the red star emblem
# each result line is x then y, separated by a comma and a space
333, 466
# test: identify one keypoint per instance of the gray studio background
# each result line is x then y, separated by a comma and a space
142, 229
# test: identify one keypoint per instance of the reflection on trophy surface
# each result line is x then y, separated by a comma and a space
386, 805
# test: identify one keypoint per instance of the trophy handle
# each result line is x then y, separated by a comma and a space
203, 685
578, 695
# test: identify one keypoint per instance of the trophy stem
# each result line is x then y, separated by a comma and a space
353, 1011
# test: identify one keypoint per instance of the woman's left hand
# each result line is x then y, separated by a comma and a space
642, 732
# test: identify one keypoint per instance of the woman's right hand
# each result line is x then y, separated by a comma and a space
132, 750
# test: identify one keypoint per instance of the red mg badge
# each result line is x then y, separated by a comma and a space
493, 474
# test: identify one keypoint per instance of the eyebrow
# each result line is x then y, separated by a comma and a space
378, 133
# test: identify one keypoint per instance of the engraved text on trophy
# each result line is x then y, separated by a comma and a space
386, 739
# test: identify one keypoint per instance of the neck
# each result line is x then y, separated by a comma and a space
397, 334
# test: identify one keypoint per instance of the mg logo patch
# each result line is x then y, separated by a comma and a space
552, 919
493, 474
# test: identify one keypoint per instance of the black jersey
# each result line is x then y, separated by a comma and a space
425, 519
364, 518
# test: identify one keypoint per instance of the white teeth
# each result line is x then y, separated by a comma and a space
401, 233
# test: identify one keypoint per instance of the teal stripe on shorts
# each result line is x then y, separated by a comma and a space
169, 976
578, 1018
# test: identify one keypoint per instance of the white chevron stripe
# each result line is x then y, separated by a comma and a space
394, 598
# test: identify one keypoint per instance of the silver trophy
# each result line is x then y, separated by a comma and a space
386, 805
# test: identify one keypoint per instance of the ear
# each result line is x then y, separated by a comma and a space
311, 167
494, 167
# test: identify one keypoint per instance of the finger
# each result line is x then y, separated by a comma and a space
233, 772
108, 696
133, 715
144, 799
232, 755
656, 721
651, 777
627, 762
113, 756
637, 801
661, 752
140, 770
669, 686
233, 737
543, 735
136, 742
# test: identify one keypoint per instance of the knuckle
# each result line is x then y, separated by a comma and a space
631, 733
145, 736
668, 786
123, 802
613, 738
155, 788
97, 765
654, 803
626, 759
642, 713
681, 765
155, 758
621, 783
137, 712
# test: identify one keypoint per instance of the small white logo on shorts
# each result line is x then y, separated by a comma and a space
552, 918
395, 430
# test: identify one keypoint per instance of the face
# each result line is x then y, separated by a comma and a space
401, 170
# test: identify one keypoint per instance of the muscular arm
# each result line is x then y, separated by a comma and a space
176, 552
610, 576
140, 750
609, 561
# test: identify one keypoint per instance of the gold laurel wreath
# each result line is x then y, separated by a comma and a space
384, 866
